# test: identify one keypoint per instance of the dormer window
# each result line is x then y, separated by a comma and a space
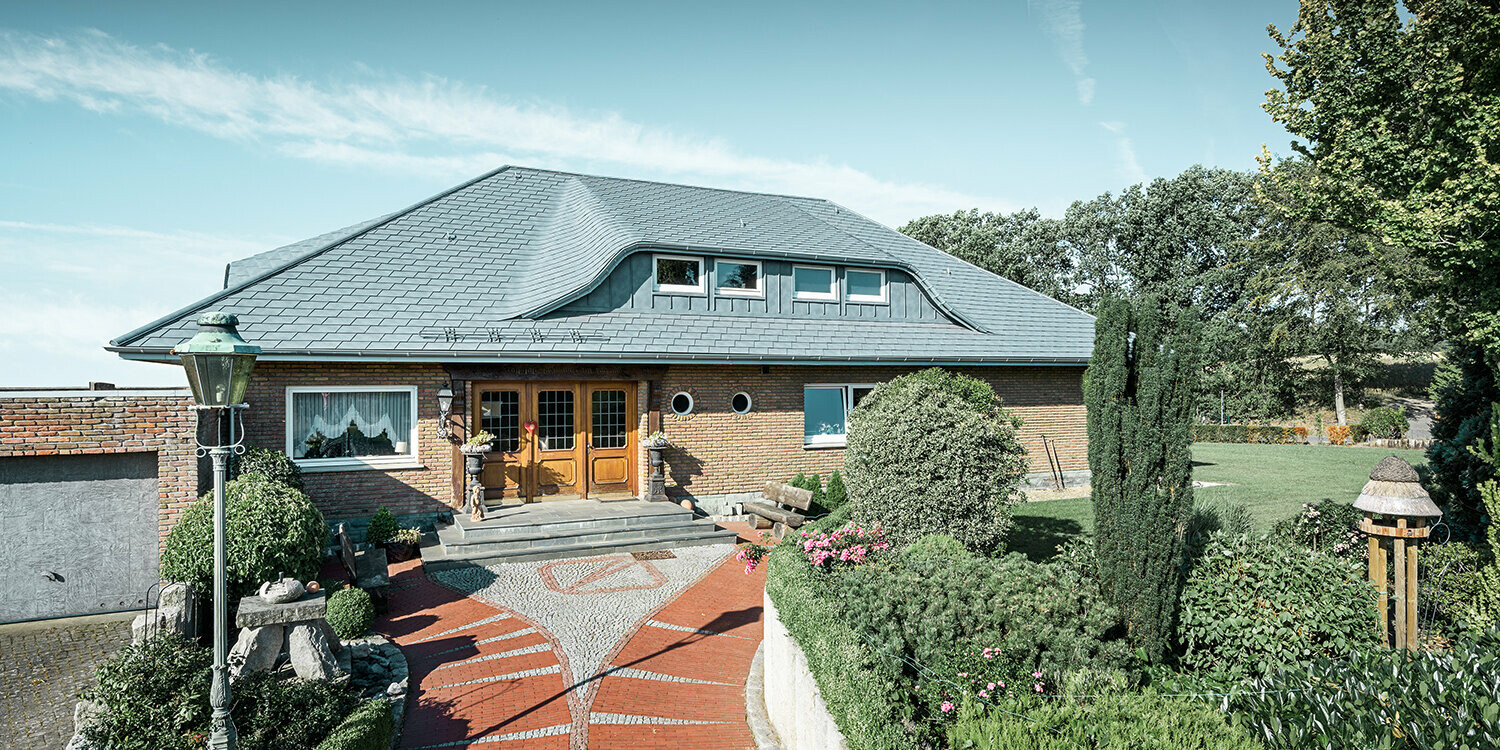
738, 278
865, 286
813, 283
679, 274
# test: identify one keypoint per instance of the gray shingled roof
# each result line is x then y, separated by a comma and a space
475, 273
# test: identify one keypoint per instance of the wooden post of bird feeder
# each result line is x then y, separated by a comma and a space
1396, 508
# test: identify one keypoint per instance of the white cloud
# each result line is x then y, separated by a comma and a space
1129, 167
1062, 20
430, 125
70, 288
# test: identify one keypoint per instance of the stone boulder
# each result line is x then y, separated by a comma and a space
311, 656
256, 650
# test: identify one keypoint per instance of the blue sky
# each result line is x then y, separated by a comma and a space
143, 148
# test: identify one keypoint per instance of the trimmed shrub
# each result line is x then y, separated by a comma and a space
1384, 422
382, 527
368, 728
815, 483
835, 495
799, 481
1328, 526
350, 612
271, 464
272, 529
1380, 699
154, 696
862, 693
957, 613
1465, 392
1252, 605
934, 452
1247, 433
1122, 720
1339, 434
277, 714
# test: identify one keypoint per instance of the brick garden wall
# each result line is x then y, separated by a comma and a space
357, 493
96, 422
716, 451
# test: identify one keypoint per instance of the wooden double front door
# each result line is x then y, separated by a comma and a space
557, 440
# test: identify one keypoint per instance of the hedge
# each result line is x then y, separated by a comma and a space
368, 728
1244, 433
856, 685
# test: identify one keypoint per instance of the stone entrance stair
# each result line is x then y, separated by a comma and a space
568, 528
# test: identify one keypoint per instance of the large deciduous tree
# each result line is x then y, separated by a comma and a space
1022, 246
1139, 391
1400, 120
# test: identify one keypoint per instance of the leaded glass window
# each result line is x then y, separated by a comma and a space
607, 416
554, 420
500, 415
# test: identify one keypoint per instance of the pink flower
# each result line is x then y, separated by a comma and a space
963, 674
1002, 684
984, 694
992, 685
947, 706
1037, 675
1039, 687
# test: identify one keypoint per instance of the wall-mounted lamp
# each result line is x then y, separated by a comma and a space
445, 411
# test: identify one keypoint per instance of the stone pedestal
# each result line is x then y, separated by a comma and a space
296, 631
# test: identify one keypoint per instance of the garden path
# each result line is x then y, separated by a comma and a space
603, 652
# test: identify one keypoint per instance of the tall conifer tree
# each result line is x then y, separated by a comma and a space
1139, 391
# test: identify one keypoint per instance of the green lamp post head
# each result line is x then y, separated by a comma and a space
217, 361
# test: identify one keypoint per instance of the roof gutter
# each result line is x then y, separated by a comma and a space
636, 358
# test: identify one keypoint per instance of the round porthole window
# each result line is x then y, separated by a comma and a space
740, 403
682, 404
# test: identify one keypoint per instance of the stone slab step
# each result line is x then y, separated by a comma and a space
455, 541
437, 558
519, 524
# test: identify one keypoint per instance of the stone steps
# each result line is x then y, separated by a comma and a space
547, 533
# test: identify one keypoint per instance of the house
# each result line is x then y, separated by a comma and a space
572, 315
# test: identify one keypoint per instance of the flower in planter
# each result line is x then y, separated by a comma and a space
657, 439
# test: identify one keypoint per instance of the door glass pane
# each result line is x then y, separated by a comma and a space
554, 420
500, 415
822, 412
608, 418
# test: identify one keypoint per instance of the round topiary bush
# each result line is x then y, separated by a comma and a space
271, 529
1253, 604
273, 465
350, 612
382, 527
934, 453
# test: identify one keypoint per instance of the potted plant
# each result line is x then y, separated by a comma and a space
404, 544
656, 482
474, 449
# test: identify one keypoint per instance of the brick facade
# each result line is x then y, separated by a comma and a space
715, 451
357, 493
97, 422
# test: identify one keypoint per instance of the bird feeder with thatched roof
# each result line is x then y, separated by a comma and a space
1398, 514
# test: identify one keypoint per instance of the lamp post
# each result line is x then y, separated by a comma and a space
218, 363
445, 411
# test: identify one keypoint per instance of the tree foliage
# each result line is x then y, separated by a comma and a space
1465, 392
1022, 246
1139, 392
1400, 122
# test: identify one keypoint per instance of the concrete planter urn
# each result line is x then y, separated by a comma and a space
656, 489
474, 466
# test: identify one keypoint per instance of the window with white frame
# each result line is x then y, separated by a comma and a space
344, 425
813, 283
679, 274
738, 278
825, 411
865, 286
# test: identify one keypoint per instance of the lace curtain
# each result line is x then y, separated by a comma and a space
342, 424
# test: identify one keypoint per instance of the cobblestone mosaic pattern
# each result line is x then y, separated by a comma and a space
588, 604
43, 667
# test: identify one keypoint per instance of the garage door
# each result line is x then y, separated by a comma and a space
78, 534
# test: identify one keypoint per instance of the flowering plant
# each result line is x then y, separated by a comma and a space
844, 547
657, 439
751, 553
978, 677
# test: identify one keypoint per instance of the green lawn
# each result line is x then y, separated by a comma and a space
1273, 481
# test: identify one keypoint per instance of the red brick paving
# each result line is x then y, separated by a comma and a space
421, 613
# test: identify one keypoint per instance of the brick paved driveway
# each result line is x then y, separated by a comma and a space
489, 676
43, 667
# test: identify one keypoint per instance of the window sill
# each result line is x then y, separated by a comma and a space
322, 466
828, 444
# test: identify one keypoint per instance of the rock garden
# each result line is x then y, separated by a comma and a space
305, 672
